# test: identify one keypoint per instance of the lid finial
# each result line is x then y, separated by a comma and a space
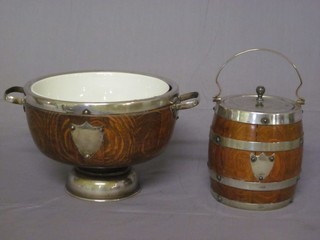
260, 91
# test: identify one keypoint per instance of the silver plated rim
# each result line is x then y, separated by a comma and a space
92, 108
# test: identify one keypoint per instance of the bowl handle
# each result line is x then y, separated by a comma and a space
186, 101
13, 99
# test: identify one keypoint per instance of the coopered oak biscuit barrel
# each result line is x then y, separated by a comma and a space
255, 148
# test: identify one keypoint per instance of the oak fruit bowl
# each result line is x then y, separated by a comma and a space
102, 123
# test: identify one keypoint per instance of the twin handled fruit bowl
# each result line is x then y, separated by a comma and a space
102, 123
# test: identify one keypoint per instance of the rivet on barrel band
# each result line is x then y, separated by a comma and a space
265, 120
256, 146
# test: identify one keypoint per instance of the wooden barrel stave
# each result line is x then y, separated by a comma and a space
234, 164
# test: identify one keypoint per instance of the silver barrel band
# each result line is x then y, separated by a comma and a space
256, 146
253, 186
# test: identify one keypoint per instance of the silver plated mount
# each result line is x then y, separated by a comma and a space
101, 185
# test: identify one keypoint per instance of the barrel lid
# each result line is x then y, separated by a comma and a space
259, 109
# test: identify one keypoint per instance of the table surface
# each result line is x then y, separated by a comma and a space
174, 202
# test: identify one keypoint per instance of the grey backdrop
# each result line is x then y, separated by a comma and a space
185, 41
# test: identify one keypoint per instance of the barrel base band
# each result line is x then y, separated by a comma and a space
250, 206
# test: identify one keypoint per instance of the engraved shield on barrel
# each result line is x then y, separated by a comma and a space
87, 138
261, 165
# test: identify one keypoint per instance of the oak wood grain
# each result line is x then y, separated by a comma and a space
235, 163
255, 132
127, 138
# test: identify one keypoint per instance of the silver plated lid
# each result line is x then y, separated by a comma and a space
259, 109
256, 109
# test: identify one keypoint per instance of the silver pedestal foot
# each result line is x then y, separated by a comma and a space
102, 184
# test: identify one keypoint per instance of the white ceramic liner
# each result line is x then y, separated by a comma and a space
100, 87
97, 93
